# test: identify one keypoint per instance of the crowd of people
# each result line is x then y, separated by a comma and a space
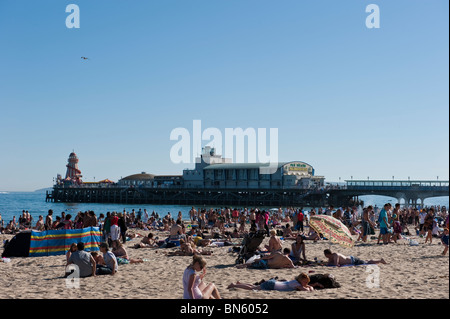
220, 226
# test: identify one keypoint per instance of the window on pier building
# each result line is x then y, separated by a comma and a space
242, 174
218, 174
254, 174
230, 174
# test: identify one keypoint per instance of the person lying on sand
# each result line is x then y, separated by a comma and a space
275, 260
147, 242
187, 249
337, 259
300, 283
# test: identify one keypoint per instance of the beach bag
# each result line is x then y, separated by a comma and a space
326, 280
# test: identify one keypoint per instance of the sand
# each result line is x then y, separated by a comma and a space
417, 272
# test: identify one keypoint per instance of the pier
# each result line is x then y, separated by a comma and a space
411, 192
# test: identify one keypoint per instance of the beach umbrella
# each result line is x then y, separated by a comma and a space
333, 229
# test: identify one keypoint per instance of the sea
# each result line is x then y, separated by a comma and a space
12, 204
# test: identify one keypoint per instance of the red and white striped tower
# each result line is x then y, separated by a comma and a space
73, 173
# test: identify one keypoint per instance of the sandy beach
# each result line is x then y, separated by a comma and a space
417, 272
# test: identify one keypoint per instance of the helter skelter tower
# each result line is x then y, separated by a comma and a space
73, 173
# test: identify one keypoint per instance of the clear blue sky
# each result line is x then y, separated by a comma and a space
349, 100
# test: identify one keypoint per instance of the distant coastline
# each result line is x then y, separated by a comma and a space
41, 190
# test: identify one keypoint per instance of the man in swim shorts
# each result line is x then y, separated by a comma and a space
337, 259
276, 260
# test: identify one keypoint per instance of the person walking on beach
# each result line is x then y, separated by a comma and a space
428, 225
123, 227
194, 287
107, 227
366, 223
422, 216
444, 240
383, 218
300, 217
114, 229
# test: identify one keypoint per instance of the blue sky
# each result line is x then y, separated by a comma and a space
349, 100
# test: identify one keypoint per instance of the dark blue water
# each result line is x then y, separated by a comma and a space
12, 204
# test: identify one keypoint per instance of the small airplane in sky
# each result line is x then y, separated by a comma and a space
84, 58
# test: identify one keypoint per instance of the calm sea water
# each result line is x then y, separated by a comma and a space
12, 204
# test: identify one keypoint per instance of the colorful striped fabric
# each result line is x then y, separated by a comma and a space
57, 242
333, 229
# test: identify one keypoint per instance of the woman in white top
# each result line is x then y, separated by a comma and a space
194, 287
298, 249
300, 283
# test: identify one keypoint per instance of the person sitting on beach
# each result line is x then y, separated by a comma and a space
274, 242
236, 233
72, 248
275, 260
298, 250
98, 259
122, 255
288, 233
176, 231
83, 260
147, 242
312, 235
194, 287
337, 259
300, 283
10, 229
111, 266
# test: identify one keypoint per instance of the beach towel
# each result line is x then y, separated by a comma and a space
57, 242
